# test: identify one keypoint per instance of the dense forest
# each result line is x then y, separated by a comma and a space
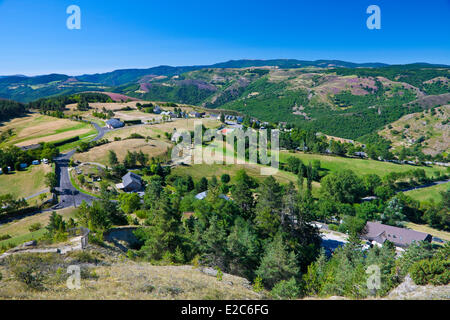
11, 109
59, 103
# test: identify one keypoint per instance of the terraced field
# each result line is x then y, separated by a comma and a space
36, 128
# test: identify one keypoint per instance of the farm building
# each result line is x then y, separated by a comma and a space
400, 237
114, 123
131, 182
157, 109
196, 114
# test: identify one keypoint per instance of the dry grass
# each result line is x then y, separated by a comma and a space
55, 137
36, 128
154, 130
99, 154
130, 280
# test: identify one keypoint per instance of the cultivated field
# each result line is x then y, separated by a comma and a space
37, 128
24, 183
153, 148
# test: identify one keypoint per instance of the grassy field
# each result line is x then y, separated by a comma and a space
36, 128
25, 183
359, 166
430, 193
18, 230
99, 154
427, 229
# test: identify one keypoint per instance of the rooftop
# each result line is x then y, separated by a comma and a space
399, 236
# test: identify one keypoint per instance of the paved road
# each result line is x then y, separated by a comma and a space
69, 196
425, 185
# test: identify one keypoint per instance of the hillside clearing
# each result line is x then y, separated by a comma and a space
359, 166
23, 184
153, 148
432, 193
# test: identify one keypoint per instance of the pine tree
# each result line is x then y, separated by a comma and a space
277, 263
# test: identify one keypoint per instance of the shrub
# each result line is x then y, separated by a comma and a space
258, 285
27, 271
35, 227
219, 274
286, 290
141, 214
83, 257
433, 271
333, 227
5, 237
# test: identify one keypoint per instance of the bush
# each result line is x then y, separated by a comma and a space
35, 227
433, 271
141, 214
333, 227
26, 269
219, 275
83, 257
258, 285
5, 237
286, 290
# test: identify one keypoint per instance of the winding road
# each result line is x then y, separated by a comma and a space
69, 196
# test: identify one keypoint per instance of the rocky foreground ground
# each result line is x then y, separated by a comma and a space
106, 273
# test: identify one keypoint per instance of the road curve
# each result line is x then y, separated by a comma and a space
69, 196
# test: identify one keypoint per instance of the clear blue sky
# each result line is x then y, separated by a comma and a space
141, 34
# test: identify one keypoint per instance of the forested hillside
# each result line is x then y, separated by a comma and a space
10, 109
335, 97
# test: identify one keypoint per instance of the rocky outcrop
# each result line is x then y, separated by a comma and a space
408, 290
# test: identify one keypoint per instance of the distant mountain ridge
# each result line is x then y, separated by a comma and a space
122, 76
339, 98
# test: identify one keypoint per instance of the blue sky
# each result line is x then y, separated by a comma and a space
146, 33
